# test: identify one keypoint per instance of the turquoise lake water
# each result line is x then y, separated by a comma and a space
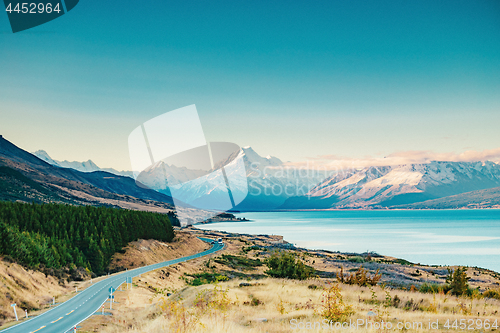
437, 237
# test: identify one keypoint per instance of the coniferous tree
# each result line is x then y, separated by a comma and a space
57, 236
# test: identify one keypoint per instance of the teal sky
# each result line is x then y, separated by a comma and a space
291, 79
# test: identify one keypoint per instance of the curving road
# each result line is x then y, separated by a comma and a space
67, 315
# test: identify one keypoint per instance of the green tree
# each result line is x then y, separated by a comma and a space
458, 281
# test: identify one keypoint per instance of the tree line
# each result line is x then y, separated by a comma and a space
56, 235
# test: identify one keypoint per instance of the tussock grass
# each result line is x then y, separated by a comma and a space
269, 305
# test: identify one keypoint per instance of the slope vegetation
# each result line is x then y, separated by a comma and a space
56, 236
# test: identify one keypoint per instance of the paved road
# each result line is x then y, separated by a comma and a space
72, 312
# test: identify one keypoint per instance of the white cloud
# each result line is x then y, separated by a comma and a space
398, 158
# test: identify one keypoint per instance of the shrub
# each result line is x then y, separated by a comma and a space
287, 265
357, 259
205, 278
182, 319
333, 307
492, 294
250, 248
360, 277
403, 262
431, 288
238, 262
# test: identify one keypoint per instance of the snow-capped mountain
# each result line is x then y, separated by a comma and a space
87, 166
398, 185
271, 184
268, 184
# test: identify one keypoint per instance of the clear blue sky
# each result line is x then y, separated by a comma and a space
292, 79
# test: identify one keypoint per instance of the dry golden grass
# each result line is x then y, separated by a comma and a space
269, 305
147, 252
28, 289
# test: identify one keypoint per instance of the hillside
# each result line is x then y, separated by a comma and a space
31, 290
489, 198
14, 186
62, 236
244, 299
65, 178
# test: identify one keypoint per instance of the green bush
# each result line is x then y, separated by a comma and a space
492, 294
205, 278
251, 248
431, 288
286, 265
357, 259
238, 262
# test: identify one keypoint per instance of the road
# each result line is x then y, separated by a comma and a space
67, 315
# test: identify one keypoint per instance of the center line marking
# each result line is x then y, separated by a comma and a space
38, 329
56, 320
69, 312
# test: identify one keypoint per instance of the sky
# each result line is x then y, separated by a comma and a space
300, 80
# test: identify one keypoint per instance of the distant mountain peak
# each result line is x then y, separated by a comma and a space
44, 156
87, 166
253, 157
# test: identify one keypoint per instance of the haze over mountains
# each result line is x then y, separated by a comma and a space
272, 184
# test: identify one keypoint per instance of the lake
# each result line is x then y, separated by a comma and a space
432, 237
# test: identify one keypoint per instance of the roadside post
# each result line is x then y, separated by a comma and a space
74, 329
15, 312
111, 291
103, 309
26, 313
129, 280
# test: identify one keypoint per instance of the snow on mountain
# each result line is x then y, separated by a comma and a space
398, 185
87, 166
267, 185
42, 154
271, 184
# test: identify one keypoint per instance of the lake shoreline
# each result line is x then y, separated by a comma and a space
435, 237
398, 272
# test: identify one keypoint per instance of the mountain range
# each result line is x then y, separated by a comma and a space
87, 166
402, 186
272, 184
